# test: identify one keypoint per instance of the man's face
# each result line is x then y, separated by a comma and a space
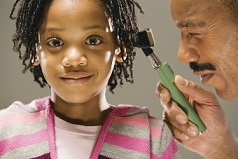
208, 43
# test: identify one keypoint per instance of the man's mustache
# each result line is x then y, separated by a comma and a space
201, 67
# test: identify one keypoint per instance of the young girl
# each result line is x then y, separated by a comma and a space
77, 47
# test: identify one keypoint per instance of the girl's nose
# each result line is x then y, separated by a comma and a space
74, 57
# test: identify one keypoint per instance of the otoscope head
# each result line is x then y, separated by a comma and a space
145, 39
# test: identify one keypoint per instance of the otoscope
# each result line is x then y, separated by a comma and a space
166, 75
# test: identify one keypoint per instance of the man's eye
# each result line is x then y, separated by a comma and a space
190, 35
93, 40
54, 42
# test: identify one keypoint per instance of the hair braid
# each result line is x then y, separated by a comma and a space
124, 20
30, 17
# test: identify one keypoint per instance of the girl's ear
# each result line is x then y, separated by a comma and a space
36, 61
119, 56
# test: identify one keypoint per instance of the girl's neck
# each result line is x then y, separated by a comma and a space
89, 114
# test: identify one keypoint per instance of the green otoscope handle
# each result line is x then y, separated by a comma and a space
166, 76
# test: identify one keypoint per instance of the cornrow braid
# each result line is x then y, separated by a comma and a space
30, 17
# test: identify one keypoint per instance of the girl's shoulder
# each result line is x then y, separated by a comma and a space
137, 115
18, 107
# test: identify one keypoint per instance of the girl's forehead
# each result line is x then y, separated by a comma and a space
77, 3
75, 15
83, 9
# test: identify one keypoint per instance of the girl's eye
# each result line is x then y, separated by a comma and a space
54, 42
93, 40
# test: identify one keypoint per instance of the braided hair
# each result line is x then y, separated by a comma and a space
30, 17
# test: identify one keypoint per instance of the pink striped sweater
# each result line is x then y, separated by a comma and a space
128, 132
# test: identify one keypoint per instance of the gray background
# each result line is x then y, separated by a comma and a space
17, 86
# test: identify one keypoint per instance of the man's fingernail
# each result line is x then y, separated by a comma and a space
163, 96
184, 136
192, 131
181, 119
182, 81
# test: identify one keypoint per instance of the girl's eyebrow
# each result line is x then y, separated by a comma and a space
103, 27
49, 29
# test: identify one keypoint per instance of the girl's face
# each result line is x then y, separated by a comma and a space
77, 50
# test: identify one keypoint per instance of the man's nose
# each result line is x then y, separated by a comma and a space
186, 55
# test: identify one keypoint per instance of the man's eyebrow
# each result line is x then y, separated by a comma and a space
192, 24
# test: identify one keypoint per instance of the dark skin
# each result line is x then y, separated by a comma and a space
31, 12
77, 55
205, 40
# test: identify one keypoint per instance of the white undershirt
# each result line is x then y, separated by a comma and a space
74, 141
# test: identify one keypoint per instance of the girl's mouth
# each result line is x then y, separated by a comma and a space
76, 81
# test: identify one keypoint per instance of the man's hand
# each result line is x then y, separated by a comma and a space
217, 141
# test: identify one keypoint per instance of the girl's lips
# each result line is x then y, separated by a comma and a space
76, 78
204, 78
76, 81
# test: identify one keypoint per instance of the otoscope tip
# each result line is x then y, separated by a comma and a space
145, 39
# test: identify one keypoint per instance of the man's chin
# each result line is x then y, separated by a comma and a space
225, 95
